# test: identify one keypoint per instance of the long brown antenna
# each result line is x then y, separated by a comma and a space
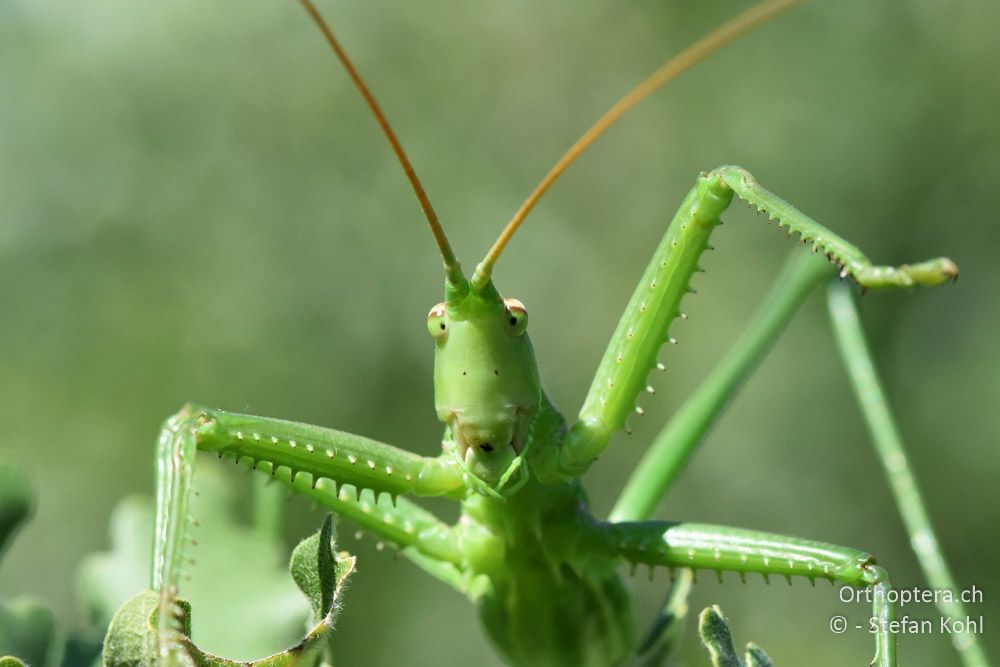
450, 262
706, 46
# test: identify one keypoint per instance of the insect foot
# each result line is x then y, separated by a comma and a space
847, 257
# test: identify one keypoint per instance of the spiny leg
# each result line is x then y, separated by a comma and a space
643, 328
676, 442
348, 474
175, 454
339, 456
674, 445
889, 446
723, 549
310, 460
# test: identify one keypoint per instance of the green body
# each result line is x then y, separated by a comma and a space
552, 599
543, 570
526, 549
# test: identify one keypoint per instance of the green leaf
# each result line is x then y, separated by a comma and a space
756, 657
27, 627
321, 573
713, 626
131, 638
15, 502
316, 566
28, 630
313, 568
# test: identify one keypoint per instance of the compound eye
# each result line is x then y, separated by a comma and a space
437, 322
515, 317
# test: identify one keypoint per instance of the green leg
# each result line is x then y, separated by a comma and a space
341, 457
889, 447
722, 549
674, 445
329, 466
174, 478
676, 442
326, 465
631, 354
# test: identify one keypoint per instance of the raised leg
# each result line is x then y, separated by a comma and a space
644, 326
673, 446
329, 466
342, 457
721, 549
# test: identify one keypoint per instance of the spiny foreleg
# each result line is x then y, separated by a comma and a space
644, 326
354, 476
343, 458
675, 444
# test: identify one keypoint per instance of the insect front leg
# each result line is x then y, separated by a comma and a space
343, 458
722, 549
644, 326
674, 445
355, 476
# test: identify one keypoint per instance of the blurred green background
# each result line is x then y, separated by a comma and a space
195, 205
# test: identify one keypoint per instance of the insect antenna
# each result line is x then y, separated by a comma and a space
451, 264
706, 46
